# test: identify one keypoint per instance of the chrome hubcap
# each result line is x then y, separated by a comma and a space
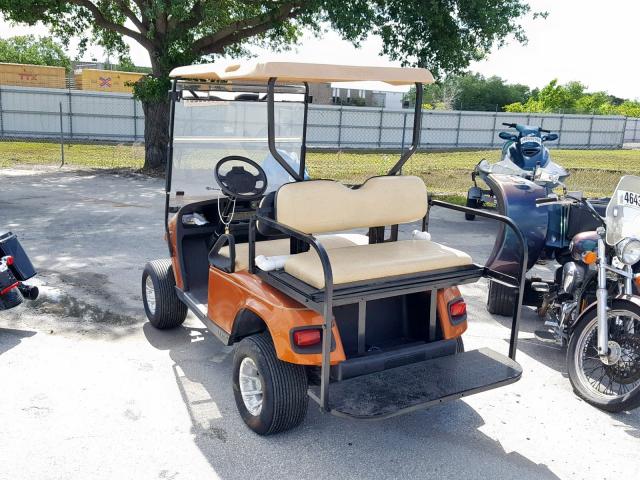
251, 386
150, 294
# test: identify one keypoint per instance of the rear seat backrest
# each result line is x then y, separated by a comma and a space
319, 206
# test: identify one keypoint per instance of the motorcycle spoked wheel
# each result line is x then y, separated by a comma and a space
613, 388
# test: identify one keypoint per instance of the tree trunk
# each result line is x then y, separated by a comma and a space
156, 135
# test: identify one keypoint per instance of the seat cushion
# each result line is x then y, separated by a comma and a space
270, 248
321, 206
380, 260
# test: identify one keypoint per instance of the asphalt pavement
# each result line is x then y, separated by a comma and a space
90, 390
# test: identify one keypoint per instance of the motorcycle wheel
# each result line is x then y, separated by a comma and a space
472, 203
616, 387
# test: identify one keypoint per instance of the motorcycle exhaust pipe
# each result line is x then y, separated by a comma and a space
29, 292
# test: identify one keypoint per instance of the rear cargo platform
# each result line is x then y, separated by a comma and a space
419, 385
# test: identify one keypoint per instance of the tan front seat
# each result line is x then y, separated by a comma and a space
270, 248
380, 260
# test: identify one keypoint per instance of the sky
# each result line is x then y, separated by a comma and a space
591, 41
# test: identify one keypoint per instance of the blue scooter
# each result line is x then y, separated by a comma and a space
523, 155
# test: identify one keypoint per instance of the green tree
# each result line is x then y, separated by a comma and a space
555, 97
472, 91
486, 94
32, 50
573, 98
444, 35
628, 109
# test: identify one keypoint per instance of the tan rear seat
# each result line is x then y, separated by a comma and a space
380, 260
320, 206
270, 248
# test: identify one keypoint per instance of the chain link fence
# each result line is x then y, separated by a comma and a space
41, 126
368, 128
45, 126
632, 131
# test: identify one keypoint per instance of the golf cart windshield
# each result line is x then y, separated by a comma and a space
257, 111
623, 211
215, 123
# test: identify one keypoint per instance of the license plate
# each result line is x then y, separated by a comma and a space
531, 140
628, 199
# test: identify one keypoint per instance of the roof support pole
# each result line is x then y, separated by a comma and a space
417, 130
271, 131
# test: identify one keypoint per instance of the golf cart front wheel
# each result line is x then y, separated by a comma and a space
501, 299
161, 303
472, 203
271, 395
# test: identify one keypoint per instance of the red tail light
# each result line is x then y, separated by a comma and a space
9, 259
307, 338
458, 308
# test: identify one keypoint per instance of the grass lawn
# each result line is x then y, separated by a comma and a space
96, 156
445, 173
595, 172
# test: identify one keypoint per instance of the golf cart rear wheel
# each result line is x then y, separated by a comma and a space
501, 299
161, 304
472, 203
271, 395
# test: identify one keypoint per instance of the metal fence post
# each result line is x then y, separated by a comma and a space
135, 119
61, 138
624, 132
1, 115
380, 128
495, 124
590, 131
404, 129
560, 130
340, 128
70, 117
458, 128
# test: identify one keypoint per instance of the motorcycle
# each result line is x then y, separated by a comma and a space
15, 269
592, 306
524, 155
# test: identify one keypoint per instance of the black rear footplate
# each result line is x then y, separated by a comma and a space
419, 385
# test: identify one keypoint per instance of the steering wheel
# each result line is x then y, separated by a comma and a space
240, 178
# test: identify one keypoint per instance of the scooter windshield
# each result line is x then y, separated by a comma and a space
623, 211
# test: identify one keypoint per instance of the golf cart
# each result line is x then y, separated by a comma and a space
367, 326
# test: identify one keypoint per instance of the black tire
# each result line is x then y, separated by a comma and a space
501, 299
459, 345
472, 203
630, 400
284, 385
169, 311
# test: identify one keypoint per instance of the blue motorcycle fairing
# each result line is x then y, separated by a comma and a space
515, 153
527, 152
515, 198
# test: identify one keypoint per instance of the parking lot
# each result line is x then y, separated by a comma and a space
89, 390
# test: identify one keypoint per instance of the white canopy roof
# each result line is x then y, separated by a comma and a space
303, 72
